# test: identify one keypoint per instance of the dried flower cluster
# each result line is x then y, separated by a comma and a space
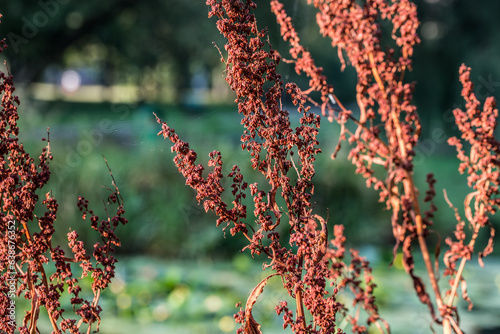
309, 264
385, 132
26, 247
382, 95
483, 167
388, 126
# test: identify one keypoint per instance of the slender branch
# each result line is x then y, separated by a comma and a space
44, 279
454, 325
458, 276
376, 75
300, 302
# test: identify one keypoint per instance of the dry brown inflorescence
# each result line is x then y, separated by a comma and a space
314, 269
26, 244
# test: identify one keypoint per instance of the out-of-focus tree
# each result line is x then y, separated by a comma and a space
159, 42
123, 40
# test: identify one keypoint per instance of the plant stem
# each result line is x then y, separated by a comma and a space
460, 270
44, 278
300, 303
410, 190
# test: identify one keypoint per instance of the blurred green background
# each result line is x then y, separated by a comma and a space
94, 72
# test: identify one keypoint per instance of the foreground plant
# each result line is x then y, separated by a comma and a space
26, 247
313, 270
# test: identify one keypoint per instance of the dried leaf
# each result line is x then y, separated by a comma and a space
252, 326
465, 295
489, 247
468, 211
418, 284
437, 251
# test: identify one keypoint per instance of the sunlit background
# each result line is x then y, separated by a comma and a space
94, 72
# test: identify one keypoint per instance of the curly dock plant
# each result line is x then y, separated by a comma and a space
27, 250
385, 131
